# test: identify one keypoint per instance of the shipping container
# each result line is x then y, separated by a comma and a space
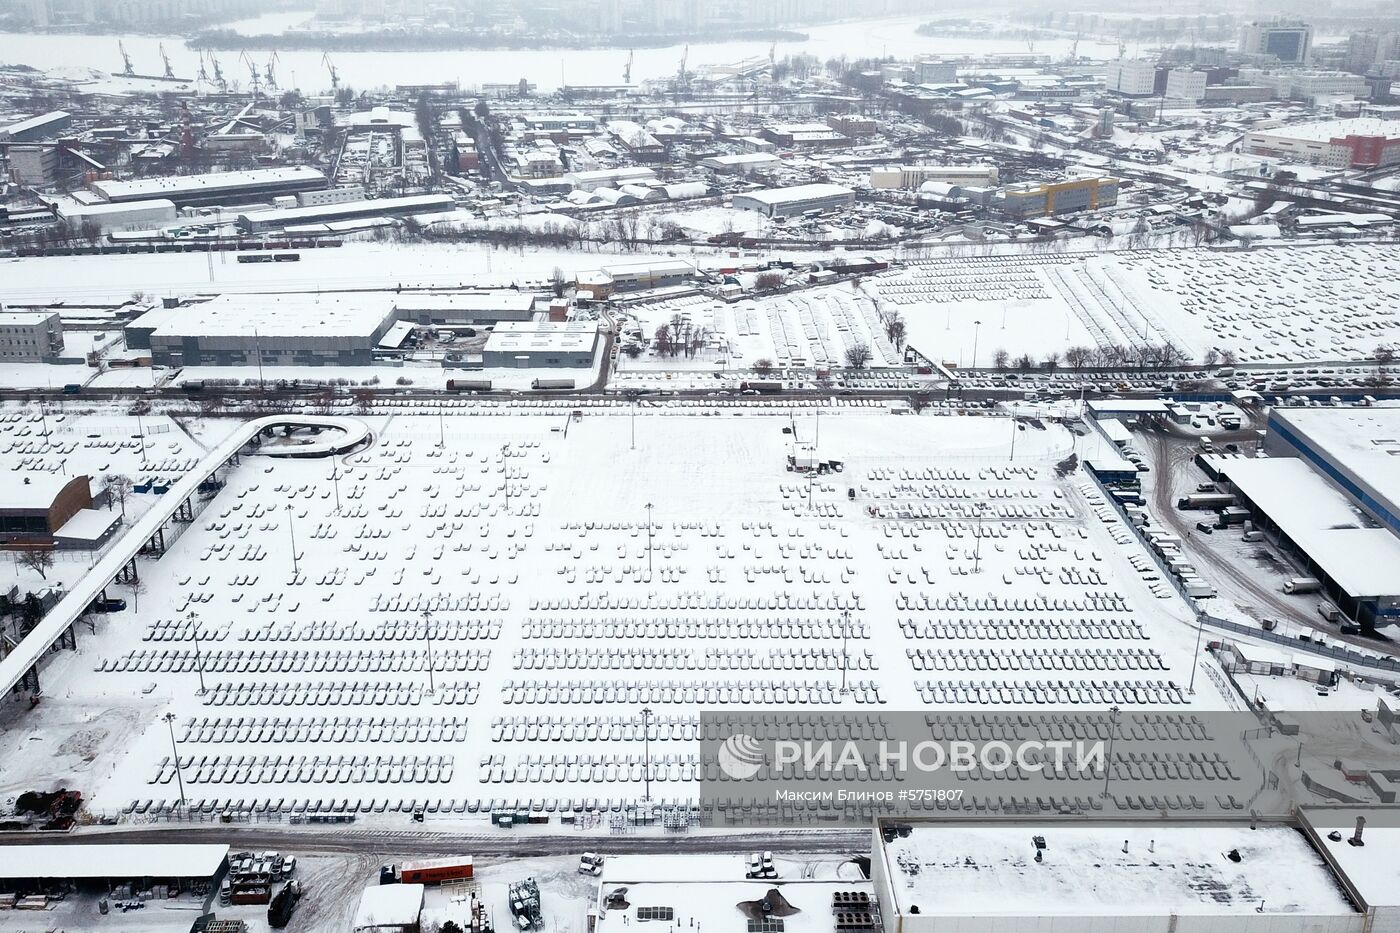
436, 871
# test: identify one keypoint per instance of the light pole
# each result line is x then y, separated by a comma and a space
442, 438
505, 475
198, 652
634, 424
291, 530
428, 637
976, 328
1013, 432
1195, 655
977, 546
845, 655
648, 539
170, 722
1112, 732
646, 753
335, 481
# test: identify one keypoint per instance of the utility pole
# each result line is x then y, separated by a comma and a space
442, 439
634, 424
428, 636
198, 652
291, 530
1195, 655
977, 547
257, 342
1013, 432
646, 752
1113, 712
170, 722
648, 539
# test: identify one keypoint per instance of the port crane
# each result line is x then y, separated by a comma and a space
169, 72
252, 70
126, 59
330, 66
203, 71
627, 69
272, 62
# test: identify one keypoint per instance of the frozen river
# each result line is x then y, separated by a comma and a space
546, 68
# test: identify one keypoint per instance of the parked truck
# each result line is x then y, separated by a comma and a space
427, 871
469, 385
279, 911
552, 384
1299, 585
1206, 500
769, 387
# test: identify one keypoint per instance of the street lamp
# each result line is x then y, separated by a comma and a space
649, 535
198, 653
1195, 655
291, 530
170, 722
646, 752
634, 423
845, 656
1113, 712
976, 327
335, 481
428, 637
505, 475
977, 546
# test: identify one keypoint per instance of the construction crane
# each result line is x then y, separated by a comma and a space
126, 59
203, 72
218, 72
247, 59
169, 72
330, 66
680, 78
627, 69
1074, 49
272, 62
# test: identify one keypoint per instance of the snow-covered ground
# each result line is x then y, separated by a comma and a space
558, 600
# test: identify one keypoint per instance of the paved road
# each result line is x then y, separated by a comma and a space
425, 844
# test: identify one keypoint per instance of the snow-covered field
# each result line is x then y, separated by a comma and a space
555, 616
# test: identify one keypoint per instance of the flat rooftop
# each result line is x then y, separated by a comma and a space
271, 317
539, 336
798, 193
111, 861
472, 301
211, 183
1318, 517
1365, 440
948, 870
1333, 129
1371, 869
721, 904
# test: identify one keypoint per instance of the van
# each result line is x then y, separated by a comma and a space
1205, 528
1255, 535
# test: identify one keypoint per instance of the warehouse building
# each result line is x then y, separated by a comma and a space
30, 336
636, 276
276, 330
1356, 448
1046, 199
280, 218
813, 135
1358, 143
111, 218
467, 308
101, 867
389, 908
214, 188
610, 178
744, 163
1162, 877
34, 508
915, 176
1357, 563
541, 345
44, 126
791, 202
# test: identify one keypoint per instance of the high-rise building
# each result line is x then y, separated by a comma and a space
1132, 77
1288, 41
1186, 84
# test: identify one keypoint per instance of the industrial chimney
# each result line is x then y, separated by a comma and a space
1356, 836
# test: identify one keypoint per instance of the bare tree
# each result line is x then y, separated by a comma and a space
118, 490
1001, 359
41, 562
1078, 357
138, 586
769, 281
1024, 362
857, 355
895, 328
1052, 361
763, 365
557, 281
1211, 358
1228, 358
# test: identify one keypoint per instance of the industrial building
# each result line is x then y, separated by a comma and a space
44, 126
1160, 877
34, 509
1356, 448
279, 218
814, 135
36, 165
111, 218
215, 187
461, 308
635, 276
610, 178
1356, 143
1289, 42
790, 202
1186, 84
274, 330
30, 336
914, 176
182, 867
1357, 563
853, 125
1046, 199
1132, 77
541, 345
743, 163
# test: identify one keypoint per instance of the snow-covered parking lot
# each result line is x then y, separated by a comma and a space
515, 551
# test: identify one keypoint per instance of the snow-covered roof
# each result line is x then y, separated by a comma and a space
542, 336
716, 904
772, 196
389, 905
1364, 440
272, 316
88, 525
212, 183
33, 123
1374, 876
34, 491
1328, 130
120, 209
1167, 869
474, 301
291, 215
1320, 520
111, 861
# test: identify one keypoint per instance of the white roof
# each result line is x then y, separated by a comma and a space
542, 336
291, 215
1365, 440
272, 316
395, 336
745, 158
1318, 518
88, 524
25, 318
31, 123
389, 905
473, 301
1168, 869
111, 861
1371, 869
119, 209
213, 183
32, 490
1332, 129
797, 193
1132, 405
